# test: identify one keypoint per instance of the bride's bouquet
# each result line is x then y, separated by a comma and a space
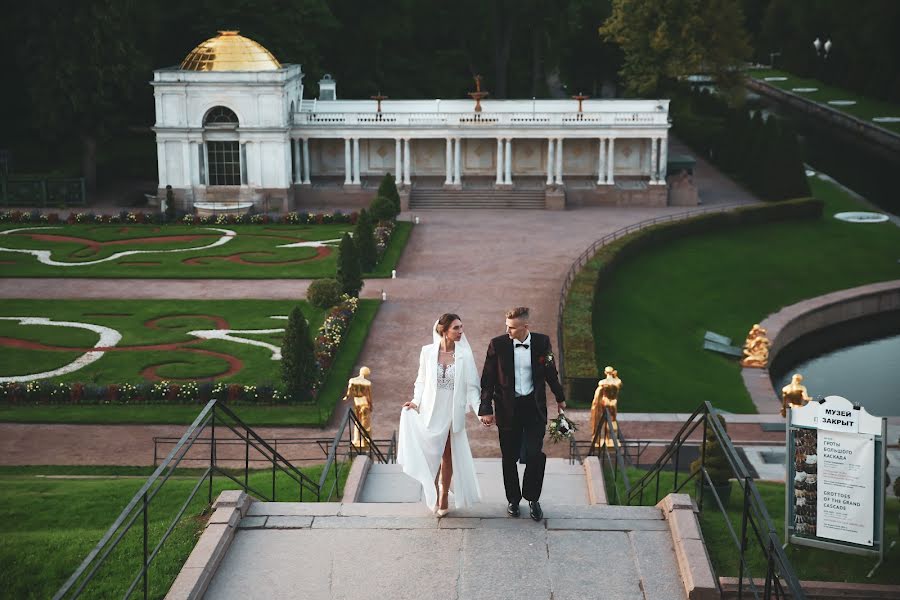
560, 427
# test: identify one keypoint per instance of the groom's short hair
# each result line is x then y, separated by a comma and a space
519, 312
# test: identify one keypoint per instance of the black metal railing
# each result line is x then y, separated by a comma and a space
757, 533
229, 447
588, 254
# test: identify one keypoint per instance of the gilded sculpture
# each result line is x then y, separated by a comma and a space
756, 348
606, 396
359, 391
794, 394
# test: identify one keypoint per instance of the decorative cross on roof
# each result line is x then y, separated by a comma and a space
477, 95
581, 98
378, 98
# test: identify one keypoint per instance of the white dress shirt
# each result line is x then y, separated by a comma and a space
522, 367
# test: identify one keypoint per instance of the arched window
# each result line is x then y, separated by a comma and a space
220, 115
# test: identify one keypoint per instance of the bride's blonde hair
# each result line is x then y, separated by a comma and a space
444, 322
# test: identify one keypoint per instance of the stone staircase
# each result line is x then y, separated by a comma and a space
382, 542
521, 199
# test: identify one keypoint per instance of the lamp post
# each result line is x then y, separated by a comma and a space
823, 49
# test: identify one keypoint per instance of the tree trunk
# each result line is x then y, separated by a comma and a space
89, 161
503, 30
537, 61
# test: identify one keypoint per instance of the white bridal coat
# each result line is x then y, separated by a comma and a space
441, 413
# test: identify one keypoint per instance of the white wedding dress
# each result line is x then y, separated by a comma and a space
442, 395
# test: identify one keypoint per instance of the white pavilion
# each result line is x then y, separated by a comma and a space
232, 125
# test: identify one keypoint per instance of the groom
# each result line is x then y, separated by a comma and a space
516, 368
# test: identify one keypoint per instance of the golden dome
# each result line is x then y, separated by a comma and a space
229, 51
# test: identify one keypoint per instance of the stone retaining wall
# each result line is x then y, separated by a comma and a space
795, 321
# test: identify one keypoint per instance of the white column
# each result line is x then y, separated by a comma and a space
406, 179
298, 174
306, 161
499, 161
559, 161
507, 155
610, 161
550, 161
356, 161
663, 159
654, 163
457, 173
601, 155
348, 168
398, 164
448, 162
186, 161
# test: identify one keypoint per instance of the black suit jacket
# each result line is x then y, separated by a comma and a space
498, 382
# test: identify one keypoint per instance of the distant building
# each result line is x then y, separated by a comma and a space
232, 123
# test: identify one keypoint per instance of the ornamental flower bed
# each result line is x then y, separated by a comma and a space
157, 218
326, 345
330, 336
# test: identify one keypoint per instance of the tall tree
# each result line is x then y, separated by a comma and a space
84, 65
665, 40
298, 365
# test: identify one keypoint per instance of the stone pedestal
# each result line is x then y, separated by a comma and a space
555, 199
682, 191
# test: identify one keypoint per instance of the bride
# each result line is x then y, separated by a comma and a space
433, 425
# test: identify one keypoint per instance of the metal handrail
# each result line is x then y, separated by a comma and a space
214, 413
585, 256
756, 524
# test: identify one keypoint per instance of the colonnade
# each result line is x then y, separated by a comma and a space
453, 170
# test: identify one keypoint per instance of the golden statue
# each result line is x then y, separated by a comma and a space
794, 394
756, 348
359, 390
606, 396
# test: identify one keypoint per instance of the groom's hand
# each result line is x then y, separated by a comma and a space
487, 420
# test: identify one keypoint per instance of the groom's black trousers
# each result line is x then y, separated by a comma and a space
524, 439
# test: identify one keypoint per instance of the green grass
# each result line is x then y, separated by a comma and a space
47, 526
865, 108
280, 415
145, 323
810, 564
253, 254
650, 319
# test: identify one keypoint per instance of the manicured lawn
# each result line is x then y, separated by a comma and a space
650, 319
48, 525
810, 564
255, 252
259, 367
865, 108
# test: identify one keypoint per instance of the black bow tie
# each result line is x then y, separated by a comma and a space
522, 346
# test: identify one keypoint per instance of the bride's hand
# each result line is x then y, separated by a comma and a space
412, 406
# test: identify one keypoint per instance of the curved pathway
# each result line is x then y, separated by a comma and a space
474, 263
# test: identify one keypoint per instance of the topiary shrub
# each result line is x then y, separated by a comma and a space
349, 271
298, 365
364, 236
382, 209
388, 189
324, 293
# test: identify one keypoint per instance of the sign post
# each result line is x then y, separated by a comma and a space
835, 493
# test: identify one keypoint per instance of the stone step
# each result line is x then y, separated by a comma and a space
478, 198
564, 484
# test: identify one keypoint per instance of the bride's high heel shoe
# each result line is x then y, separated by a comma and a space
441, 512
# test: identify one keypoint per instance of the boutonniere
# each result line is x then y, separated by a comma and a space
546, 359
